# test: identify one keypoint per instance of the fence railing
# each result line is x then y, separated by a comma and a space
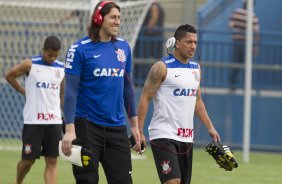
215, 53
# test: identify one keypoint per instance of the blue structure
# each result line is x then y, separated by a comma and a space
226, 109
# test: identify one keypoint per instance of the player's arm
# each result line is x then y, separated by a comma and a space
130, 107
70, 98
62, 86
153, 82
72, 80
135, 133
201, 113
16, 71
62, 92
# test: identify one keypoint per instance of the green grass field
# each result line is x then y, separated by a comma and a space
264, 168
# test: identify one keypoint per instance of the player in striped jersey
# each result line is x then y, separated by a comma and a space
98, 89
42, 111
174, 85
238, 25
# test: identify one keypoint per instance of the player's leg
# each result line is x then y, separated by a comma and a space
23, 168
116, 157
185, 162
166, 152
52, 136
51, 171
91, 137
32, 136
173, 181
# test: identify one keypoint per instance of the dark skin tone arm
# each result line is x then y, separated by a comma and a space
62, 91
153, 82
201, 113
18, 70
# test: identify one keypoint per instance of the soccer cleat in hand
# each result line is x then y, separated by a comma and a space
223, 155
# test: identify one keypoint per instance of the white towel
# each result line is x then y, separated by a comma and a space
74, 158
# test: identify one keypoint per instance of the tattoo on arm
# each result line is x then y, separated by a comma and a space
154, 79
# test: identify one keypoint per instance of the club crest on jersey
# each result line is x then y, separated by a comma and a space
196, 75
165, 167
27, 149
120, 55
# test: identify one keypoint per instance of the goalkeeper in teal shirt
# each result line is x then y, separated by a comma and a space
98, 89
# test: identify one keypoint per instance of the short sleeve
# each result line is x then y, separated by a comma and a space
74, 61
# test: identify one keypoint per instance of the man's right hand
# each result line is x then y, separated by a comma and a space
68, 138
143, 142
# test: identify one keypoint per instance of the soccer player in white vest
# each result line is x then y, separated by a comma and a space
174, 85
98, 89
43, 91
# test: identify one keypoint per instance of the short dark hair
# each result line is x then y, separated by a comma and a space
93, 30
182, 30
52, 43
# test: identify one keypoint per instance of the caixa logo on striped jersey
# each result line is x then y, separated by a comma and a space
185, 92
46, 85
46, 116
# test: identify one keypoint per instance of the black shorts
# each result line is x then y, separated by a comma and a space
173, 159
40, 140
109, 146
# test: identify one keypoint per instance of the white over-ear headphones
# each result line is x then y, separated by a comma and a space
170, 45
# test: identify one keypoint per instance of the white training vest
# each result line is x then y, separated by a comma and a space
175, 101
42, 86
